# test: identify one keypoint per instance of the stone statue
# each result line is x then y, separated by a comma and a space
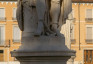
40, 22
42, 17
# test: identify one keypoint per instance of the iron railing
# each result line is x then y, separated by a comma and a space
14, 19
89, 40
16, 41
89, 19
2, 18
73, 40
5, 43
2, 43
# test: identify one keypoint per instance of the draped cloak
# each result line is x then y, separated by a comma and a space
66, 9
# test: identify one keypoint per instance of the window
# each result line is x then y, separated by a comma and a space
16, 34
1, 55
2, 35
2, 14
89, 14
89, 34
14, 13
88, 56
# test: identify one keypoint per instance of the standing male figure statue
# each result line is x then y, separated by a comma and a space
51, 14
43, 18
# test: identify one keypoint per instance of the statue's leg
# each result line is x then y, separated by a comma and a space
54, 13
40, 7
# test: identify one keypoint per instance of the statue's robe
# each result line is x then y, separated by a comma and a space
19, 15
66, 8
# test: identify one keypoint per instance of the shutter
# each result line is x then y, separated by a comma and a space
14, 12
89, 33
89, 13
2, 35
2, 10
16, 34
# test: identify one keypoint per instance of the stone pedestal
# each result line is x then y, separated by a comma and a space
43, 50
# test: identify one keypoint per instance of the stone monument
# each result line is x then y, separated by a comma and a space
40, 22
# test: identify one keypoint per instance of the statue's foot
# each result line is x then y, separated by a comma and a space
40, 29
59, 34
50, 34
37, 34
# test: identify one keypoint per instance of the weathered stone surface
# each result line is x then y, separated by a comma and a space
40, 22
43, 50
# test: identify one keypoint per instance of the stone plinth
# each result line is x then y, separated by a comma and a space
43, 50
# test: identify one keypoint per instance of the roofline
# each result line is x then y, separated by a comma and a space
72, 1
82, 1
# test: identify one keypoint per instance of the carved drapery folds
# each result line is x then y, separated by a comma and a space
43, 17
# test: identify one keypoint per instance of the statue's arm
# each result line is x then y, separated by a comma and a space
19, 15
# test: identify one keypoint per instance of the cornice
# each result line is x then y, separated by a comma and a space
82, 1
73, 1
11, 2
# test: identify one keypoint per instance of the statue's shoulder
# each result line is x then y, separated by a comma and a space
25, 0
29, 2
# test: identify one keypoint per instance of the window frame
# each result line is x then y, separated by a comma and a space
88, 19
4, 33
14, 19
86, 34
4, 13
13, 34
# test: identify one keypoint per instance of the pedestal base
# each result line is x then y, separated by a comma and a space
43, 50
43, 57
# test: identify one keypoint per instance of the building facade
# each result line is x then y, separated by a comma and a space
10, 35
81, 33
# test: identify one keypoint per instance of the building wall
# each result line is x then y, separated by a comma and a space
83, 23
8, 23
